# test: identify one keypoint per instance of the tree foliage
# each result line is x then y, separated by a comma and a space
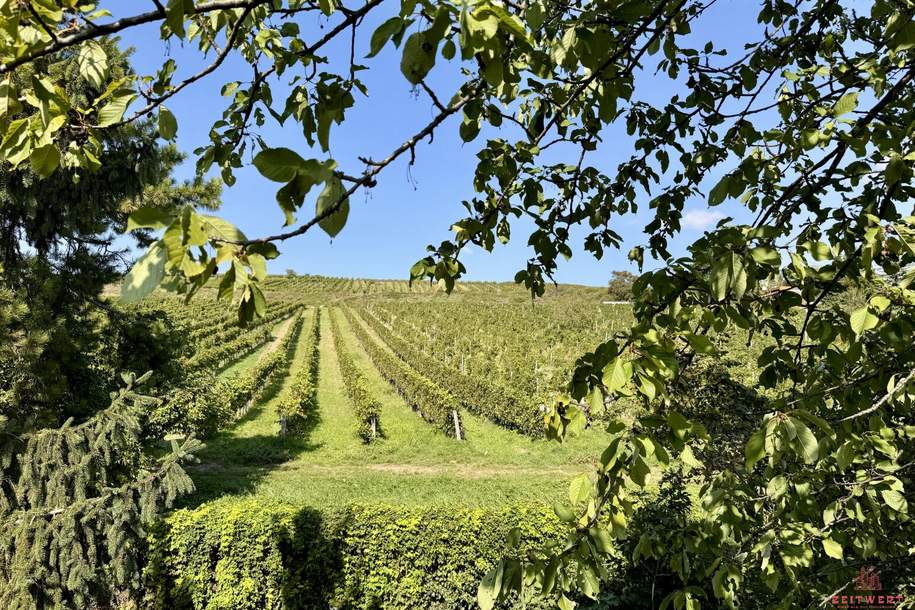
73, 506
805, 134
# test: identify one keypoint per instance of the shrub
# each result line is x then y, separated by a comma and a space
246, 554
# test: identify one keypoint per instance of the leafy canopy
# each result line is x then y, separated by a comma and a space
807, 132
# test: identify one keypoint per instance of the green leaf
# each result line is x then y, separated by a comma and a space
168, 126
490, 587
617, 374
113, 111
418, 57
700, 343
720, 191
278, 164
217, 228
564, 603
862, 320
564, 513
806, 440
846, 104
756, 448
832, 548
174, 15
639, 470
895, 500
145, 274
579, 489
689, 458
149, 218
9, 99
258, 266
173, 241
44, 160
383, 33
92, 63
678, 424
765, 255
895, 170
333, 195
777, 486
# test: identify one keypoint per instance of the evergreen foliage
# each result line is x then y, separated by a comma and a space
74, 504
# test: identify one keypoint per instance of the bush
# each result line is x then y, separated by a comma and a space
246, 554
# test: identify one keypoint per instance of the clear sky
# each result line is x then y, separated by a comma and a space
390, 224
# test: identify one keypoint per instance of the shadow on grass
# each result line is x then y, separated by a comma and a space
234, 461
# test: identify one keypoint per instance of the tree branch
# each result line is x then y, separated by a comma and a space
230, 41
375, 168
97, 31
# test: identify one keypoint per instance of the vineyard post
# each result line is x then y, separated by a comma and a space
457, 425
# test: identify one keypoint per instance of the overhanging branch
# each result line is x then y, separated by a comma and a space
368, 177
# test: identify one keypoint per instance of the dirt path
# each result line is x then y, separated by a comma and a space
245, 362
278, 338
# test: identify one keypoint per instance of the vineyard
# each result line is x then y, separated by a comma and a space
371, 390
723, 419
365, 395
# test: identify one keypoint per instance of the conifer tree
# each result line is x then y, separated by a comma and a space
74, 503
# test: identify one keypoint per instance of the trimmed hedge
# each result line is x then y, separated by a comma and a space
425, 396
252, 554
366, 407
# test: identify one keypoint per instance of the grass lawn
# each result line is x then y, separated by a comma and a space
413, 464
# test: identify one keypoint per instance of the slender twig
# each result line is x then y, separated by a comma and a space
44, 26
431, 93
886, 398
118, 25
369, 175
157, 101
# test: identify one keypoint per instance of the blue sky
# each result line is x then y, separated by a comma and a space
390, 224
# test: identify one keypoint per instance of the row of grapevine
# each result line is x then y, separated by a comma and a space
218, 355
300, 402
477, 395
528, 348
366, 407
434, 404
222, 333
205, 402
249, 386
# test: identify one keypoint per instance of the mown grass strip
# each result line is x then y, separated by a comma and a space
366, 407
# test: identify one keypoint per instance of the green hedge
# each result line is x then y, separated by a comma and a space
247, 554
